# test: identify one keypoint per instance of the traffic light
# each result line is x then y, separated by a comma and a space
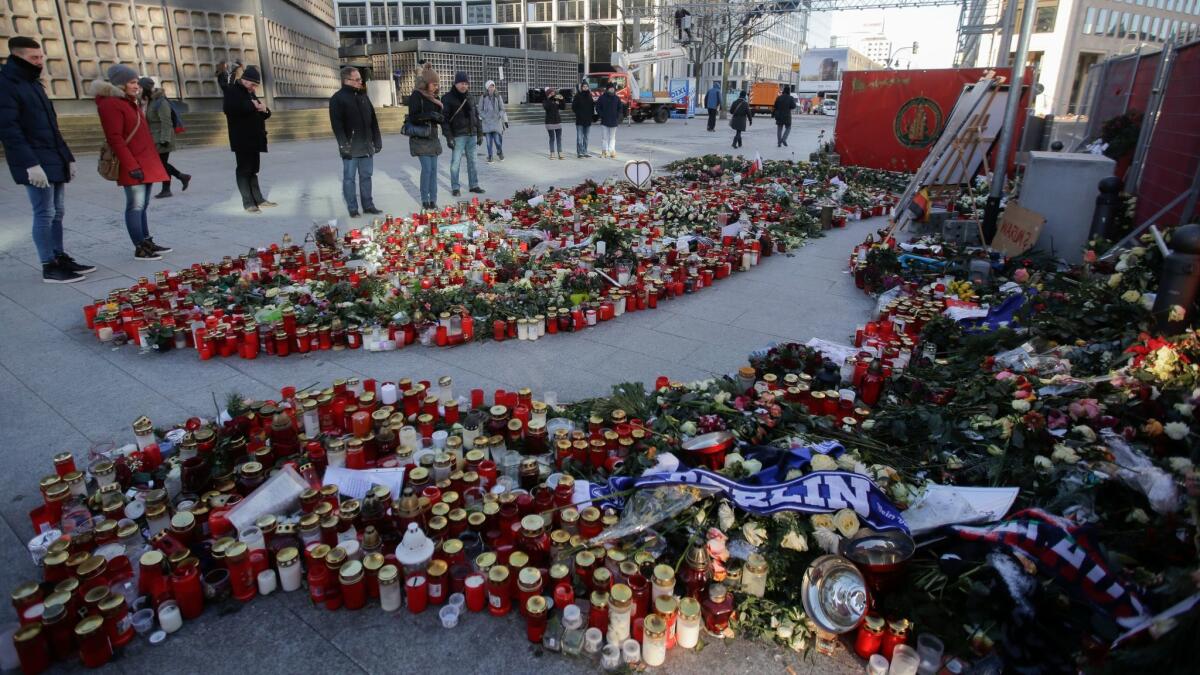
914, 46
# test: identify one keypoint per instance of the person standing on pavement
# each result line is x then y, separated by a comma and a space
495, 120
37, 155
356, 129
740, 117
584, 108
782, 112
247, 120
425, 112
162, 128
464, 132
553, 120
712, 103
610, 109
128, 135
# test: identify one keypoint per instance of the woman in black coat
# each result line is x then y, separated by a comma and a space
784, 105
740, 118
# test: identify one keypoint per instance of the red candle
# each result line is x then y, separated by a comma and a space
476, 592
499, 591
185, 586
33, 650
354, 588
416, 593
870, 637
536, 614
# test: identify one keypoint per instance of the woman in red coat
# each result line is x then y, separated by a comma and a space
128, 134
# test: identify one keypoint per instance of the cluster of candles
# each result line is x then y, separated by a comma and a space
453, 248
487, 521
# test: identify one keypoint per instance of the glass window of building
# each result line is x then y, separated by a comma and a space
479, 12
604, 9
1089, 20
352, 16
416, 15
508, 12
1043, 21
541, 11
570, 10
448, 15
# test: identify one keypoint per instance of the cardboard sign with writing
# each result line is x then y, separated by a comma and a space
1018, 231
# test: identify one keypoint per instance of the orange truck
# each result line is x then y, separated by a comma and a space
763, 95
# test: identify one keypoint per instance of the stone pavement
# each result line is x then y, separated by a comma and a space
62, 390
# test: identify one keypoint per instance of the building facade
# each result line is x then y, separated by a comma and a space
1069, 36
180, 43
591, 29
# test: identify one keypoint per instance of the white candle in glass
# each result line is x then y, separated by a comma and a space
266, 582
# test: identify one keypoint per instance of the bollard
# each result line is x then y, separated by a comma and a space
1108, 205
1178, 281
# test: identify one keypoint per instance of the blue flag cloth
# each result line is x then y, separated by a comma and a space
818, 492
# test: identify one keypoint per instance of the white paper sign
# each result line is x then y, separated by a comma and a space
355, 483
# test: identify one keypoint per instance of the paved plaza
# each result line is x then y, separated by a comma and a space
60, 389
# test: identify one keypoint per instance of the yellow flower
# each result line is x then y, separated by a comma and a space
1131, 296
1114, 280
1177, 313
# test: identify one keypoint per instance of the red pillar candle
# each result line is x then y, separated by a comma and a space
475, 589
536, 614
870, 636
416, 593
354, 588
185, 587
33, 649
241, 572
499, 591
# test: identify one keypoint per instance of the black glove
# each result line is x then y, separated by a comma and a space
379, 147
137, 174
506, 125
344, 151
479, 139
450, 142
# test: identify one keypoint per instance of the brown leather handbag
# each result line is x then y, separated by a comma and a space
109, 166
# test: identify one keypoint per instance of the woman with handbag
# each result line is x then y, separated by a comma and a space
421, 127
131, 157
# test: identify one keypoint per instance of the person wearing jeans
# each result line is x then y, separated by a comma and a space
495, 120
553, 121
782, 112
128, 135
464, 131
584, 108
425, 113
712, 103
357, 132
611, 109
37, 155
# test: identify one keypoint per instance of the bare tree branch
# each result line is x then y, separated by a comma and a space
721, 29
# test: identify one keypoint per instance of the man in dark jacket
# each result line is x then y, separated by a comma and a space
610, 108
712, 102
463, 130
357, 132
247, 119
584, 108
37, 155
782, 112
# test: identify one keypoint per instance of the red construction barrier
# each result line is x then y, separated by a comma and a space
1174, 153
888, 119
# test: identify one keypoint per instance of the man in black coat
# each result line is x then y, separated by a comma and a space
782, 112
37, 155
463, 130
357, 132
584, 108
247, 119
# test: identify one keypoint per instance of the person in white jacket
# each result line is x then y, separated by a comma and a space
495, 120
